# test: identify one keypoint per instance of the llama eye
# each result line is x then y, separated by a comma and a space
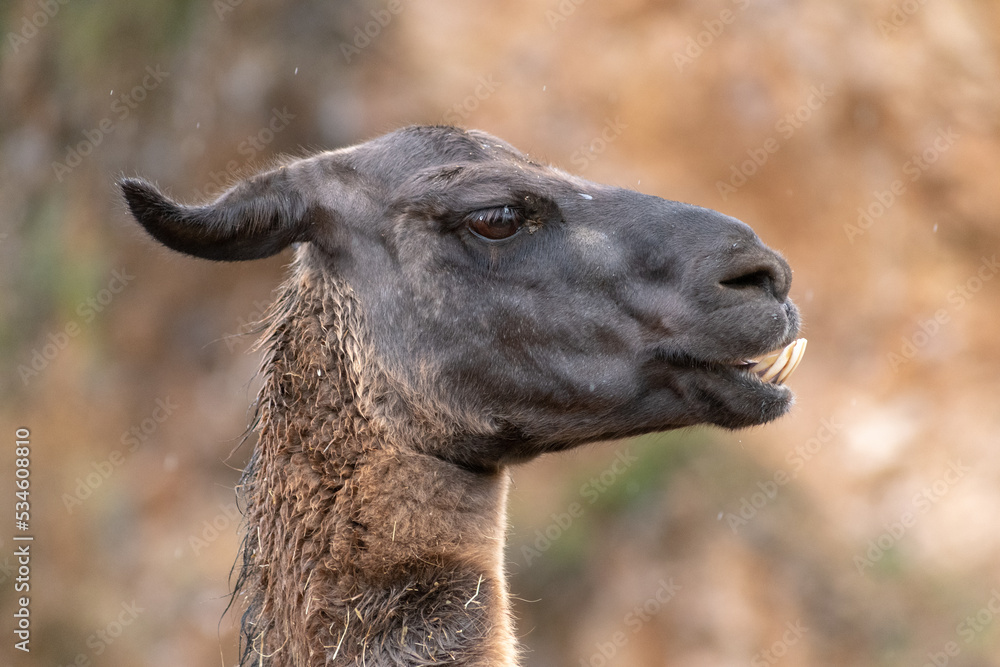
494, 224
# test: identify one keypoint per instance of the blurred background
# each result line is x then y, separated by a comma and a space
860, 138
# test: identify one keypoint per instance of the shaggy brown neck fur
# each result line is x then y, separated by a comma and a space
360, 550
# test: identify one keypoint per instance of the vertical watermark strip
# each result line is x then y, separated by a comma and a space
22, 540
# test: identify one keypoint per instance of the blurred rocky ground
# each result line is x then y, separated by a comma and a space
860, 138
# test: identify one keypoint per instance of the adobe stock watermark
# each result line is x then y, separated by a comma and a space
584, 155
250, 148
695, 45
562, 12
967, 630
973, 625
606, 650
785, 128
101, 639
212, 529
485, 87
900, 15
247, 325
794, 631
957, 297
86, 312
123, 105
131, 440
795, 460
365, 35
224, 7
913, 169
920, 504
591, 491
31, 24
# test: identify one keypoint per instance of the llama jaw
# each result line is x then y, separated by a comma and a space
775, 367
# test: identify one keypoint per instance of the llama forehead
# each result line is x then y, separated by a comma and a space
428, 170
415, 148
435, 170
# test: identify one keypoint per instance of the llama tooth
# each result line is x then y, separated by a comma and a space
778, 364
772, 364
798, 351
787, 369
765, 362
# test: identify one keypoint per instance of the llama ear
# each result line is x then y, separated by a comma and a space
257, 218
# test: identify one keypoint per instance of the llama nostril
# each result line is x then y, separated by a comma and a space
769, 274
760, 278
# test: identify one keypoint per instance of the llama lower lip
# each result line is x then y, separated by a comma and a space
776, 367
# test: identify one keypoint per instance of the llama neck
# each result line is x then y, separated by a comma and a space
360, 550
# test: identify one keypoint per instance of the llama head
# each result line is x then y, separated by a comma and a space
546, 309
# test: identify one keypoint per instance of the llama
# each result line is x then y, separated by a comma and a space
455, 308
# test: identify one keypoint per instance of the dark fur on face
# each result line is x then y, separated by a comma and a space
454, 308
